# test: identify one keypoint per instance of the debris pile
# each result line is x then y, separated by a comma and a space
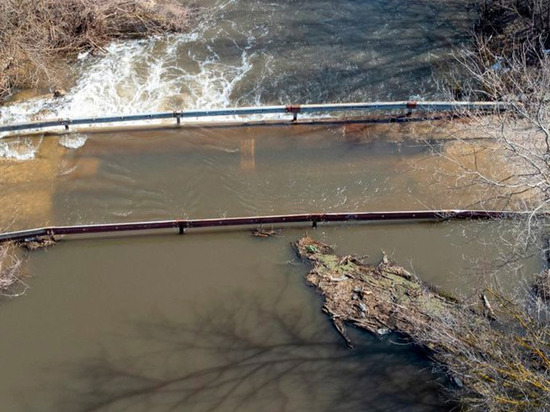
497, 355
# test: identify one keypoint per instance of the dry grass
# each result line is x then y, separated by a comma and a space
38, 36
504, 366
10, 271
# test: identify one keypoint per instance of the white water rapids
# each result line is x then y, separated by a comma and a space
246, 52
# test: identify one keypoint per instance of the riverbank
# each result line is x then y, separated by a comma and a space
40, 39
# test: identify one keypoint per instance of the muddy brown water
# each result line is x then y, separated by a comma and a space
223, 320
134, 175
217, 321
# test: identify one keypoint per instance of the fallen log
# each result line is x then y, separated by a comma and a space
494, 366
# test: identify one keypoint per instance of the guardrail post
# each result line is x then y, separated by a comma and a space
178, 118
410, 106
66, 124
181, 227
294, 109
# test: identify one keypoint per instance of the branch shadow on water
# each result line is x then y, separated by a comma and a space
251, 355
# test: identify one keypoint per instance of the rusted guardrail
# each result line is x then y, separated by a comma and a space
183, 224
294, 110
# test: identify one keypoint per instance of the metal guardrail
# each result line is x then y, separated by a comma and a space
183, 224
294, 110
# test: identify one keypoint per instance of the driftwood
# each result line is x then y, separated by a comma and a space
41, 242
495, 366
380, 299
264, 233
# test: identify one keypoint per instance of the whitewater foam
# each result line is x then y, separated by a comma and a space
73, 140
20, 148
141, 76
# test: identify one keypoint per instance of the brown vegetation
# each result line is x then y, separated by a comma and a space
39, 243
498, 355
509, 34
10, 271
37, 36
507, 25
504, 364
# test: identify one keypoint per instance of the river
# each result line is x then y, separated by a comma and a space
222, 320
250, 52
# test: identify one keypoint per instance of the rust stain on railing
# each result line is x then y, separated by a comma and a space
181, 225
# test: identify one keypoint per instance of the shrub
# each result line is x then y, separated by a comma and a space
38, 37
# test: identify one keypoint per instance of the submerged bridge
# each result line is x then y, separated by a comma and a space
236, 115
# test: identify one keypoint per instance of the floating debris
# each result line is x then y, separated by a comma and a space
496, 363
264, 233
39, 243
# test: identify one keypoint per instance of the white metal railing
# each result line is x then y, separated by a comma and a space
294, 110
